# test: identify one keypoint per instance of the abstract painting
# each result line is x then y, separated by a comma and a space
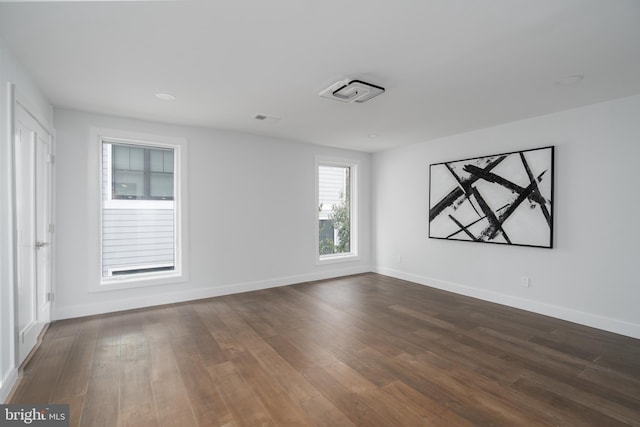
503, 198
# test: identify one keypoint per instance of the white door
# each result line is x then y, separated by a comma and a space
33, 233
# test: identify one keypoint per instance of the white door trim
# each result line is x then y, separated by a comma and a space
31, 333
13, 289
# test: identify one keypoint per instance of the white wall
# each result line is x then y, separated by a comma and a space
251, 215
28, 93
591, 275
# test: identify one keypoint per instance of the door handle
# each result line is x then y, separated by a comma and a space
41, 244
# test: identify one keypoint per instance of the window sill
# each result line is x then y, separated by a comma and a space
337, 258
116, 283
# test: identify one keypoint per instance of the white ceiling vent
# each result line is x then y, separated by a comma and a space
351, 91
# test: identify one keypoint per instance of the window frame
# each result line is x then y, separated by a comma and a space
353, 254
97, 202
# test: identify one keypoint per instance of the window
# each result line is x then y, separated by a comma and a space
336, 232
140, 227
141, 173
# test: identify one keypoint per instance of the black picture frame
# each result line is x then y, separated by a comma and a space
502, 198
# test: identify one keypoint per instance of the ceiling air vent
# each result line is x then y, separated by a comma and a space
265, 118
352, 91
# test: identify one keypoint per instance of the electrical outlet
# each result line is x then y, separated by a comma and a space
398, 259
525, 281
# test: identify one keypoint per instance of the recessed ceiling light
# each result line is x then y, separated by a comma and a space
570, 80
373, 135
165, 97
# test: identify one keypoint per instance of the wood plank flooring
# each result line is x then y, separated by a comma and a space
364, 350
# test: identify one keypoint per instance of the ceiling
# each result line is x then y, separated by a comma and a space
448, 66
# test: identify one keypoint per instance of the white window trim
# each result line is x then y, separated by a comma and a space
354, 210
97, 283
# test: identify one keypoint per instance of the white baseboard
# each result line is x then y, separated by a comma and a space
7, 385
68, 312
593, 320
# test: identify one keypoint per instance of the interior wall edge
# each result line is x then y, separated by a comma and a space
81, 310
583, 318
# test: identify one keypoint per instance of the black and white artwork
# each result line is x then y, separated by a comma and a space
504, 198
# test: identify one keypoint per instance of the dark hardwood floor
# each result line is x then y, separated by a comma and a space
364, 350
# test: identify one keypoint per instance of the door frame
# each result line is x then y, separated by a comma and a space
17, 102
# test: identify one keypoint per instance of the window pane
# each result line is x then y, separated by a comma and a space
141, 173
326, 237
120, 157
137, 238
136, 158
168, 161
156, 160
162, 185
128, 184
334, 209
